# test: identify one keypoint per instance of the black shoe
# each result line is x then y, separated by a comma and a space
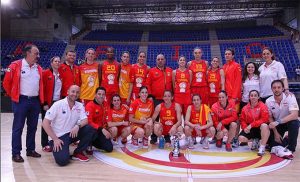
17, 158
33, 154
167, 139
153, 139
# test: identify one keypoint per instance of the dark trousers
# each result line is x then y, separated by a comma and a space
85, 135
156, 102
26, 109
101, 142
44, 135
293, 129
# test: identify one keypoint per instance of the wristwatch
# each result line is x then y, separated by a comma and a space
79, 124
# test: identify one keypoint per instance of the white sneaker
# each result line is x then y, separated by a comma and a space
190, 143
205, 143
255, 144
261, 150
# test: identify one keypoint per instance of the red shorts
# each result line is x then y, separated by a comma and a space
203, 92
134, 127
166, 129
203, 133
120, 129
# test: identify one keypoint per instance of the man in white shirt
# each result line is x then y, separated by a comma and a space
23, 83
66, 122
283, 116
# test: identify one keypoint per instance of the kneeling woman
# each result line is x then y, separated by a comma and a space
118, 120
140, 113
254, 119
225, 117
198, 122
169, 118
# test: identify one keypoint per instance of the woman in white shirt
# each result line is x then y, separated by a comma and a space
269, 71
250, 81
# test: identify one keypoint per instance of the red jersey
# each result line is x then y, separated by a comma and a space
254, 116
233, 79
110, 73
167, 116
214, 82
96, 114
223, 115
182, 90
69, 77
118, 115
158, 81
141, 110
199, 73
199, 117
139, 77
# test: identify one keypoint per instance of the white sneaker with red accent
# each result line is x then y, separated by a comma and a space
145, 142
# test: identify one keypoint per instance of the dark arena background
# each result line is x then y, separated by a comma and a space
170, 27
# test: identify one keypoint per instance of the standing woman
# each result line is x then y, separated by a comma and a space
52, 93
254, 119
89, 74
139, 75
269, 71
216, 81
225, 119
182, 79
250, 82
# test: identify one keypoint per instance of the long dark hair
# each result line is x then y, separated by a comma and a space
245, 73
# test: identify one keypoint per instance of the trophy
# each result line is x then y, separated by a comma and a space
176, 150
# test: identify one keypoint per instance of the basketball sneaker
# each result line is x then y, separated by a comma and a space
219, 143
134, 142
255, 144
228, 147
80, 156
261, 150
205, 143
145, 142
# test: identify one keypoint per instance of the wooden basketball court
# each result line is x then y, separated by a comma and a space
45, 169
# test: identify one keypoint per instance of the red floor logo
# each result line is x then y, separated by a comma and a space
200, 163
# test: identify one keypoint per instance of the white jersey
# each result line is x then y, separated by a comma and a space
279, 111
62, 118
248, 85
275, 71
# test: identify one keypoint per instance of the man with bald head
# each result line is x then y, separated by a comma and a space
23, 83
158, 80
66, 122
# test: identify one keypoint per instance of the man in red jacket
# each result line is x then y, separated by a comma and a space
23, 83
158, 80
69, 73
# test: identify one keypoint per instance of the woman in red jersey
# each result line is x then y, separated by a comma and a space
216, 81
198, 122
254, 119
181, 79
224, 117
140, 113
139, 75
169, 118
52, 93
118, 120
